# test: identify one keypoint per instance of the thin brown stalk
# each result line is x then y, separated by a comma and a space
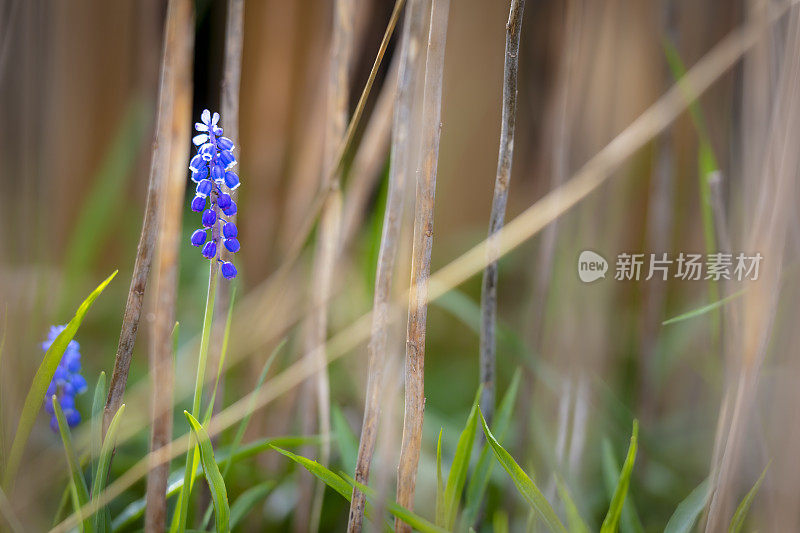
369, 161
421, 260
326, 253
181, 45
159, 167
508, 122
409, 74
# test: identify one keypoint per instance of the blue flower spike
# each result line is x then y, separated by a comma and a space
67, 381
211, 171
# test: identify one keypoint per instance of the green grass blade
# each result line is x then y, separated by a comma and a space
685, 515
524, 484
219, 494
101, 518
574, 519
439, 482
703, 309
221, 364
325, 475
135, 509
80, 494
42, 379
479, 480
248, 499
737, 522
346, 440
457, 476
98, 402
500, 522
611, 521
410, 518
630, 522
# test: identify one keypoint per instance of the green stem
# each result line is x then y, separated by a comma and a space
182, 508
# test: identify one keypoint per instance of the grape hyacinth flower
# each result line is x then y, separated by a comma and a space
67, 381
211, 172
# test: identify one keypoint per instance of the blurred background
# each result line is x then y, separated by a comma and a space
78, 92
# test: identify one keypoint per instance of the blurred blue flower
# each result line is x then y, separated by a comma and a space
211, 171
67, 381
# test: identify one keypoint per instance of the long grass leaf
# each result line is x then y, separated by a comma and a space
98, 401
737, 522
42, 379
703, 309
457, 476
524, 484
101, 518
611, 521
479, 480
574, 520
80, 494
135, 509
630, 521
219, 495
685, 515
439, 482
248, 499
414, 520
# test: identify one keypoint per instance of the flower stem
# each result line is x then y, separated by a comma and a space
183, 501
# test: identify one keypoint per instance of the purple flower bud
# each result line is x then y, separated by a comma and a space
200, 139
227, 159
196, 163
73, 417
198, 203
204, 188
230, 210
232, 245
68, 389
228, 270
53, 422
224, 143
66, 402
199, 175
217, 172
206, 152
210, 250
79, 382
199, 237
231, 180
229, 230
224, 200
209, 218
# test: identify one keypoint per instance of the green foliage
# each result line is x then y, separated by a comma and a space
476, 488
101, 518
630, 521
685, 515
439, 482
737, 522
458, 471
77, 485
249, 499
219, 495
611, 522
346, 440
42, 379
574, 519
525, 485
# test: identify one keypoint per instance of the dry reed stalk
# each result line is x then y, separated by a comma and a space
401, 160
159, 167
488, 334
657, 117
421, 260
181, 44
368, 163
326, 253
758, 305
